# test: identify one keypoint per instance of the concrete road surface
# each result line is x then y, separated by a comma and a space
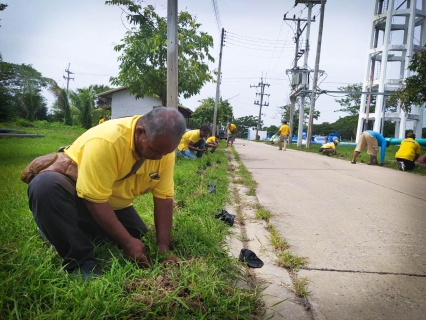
362, 229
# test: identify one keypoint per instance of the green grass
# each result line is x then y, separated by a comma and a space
202, 286
346, 153
245, 176
291, 261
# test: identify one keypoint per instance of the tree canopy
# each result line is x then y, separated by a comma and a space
413, 90
21, 92
285, 116
204, 113
143, 60
244, 123
351, 102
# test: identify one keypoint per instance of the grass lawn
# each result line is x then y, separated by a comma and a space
346, 153
202, 286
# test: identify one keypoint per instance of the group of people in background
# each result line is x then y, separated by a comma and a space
195, 143
406, 156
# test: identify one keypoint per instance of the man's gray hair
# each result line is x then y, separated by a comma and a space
164, 121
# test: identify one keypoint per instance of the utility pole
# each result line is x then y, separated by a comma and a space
172, 54
68, 76
262, 93
299, 75
219, 76
314, 85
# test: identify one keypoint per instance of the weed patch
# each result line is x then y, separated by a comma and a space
202, 286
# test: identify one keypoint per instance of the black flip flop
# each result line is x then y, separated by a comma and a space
250, 257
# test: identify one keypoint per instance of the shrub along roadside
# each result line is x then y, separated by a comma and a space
202, 286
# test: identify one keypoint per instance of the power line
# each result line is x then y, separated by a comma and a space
251, 43
217, 15
236, 44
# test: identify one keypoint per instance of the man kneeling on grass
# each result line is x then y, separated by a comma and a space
192, 145
116, 161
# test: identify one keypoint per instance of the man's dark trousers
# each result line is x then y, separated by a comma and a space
67, 223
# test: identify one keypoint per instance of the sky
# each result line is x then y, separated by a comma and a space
50, 34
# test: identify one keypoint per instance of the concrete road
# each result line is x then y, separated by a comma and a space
362, 229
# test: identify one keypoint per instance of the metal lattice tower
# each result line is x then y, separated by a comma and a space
398, 27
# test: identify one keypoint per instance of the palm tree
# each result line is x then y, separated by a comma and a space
61, 100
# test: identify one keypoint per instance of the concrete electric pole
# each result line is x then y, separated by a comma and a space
299, 75
262, 93
172, 54
314, 85
68, 78
219, 76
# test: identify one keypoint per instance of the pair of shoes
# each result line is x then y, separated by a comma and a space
279, 149
86, 272
373, 164
226, 217
401, 166
353, 162
250, 257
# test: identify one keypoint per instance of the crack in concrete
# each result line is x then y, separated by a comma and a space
373, 272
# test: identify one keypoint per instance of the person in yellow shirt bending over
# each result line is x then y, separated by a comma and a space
408, 153
192, 145
232, 133
329, 148
117, 161
212, 142
102, 119
283, 132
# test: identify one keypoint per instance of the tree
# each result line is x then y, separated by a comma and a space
2, 7
413, 90
82, 100
244, 123
352, 101
143, 60
20, 92
285, 116
61, 106
271, 130
204, 113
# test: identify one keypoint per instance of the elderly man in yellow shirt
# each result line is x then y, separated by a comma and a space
192, 145
408, 153
283, 132
117, 161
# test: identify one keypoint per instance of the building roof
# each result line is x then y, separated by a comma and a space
104, 98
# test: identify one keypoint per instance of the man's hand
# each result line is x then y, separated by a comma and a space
169, 258
135, 251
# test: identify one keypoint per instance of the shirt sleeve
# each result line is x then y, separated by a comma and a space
165, 187
97, 170
417, 148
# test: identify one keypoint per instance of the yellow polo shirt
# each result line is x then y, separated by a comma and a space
232, 127
193, 135
105, 154
284, 130
211, 139
408, 149
329, 145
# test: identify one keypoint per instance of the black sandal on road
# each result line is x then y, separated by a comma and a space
250, 257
